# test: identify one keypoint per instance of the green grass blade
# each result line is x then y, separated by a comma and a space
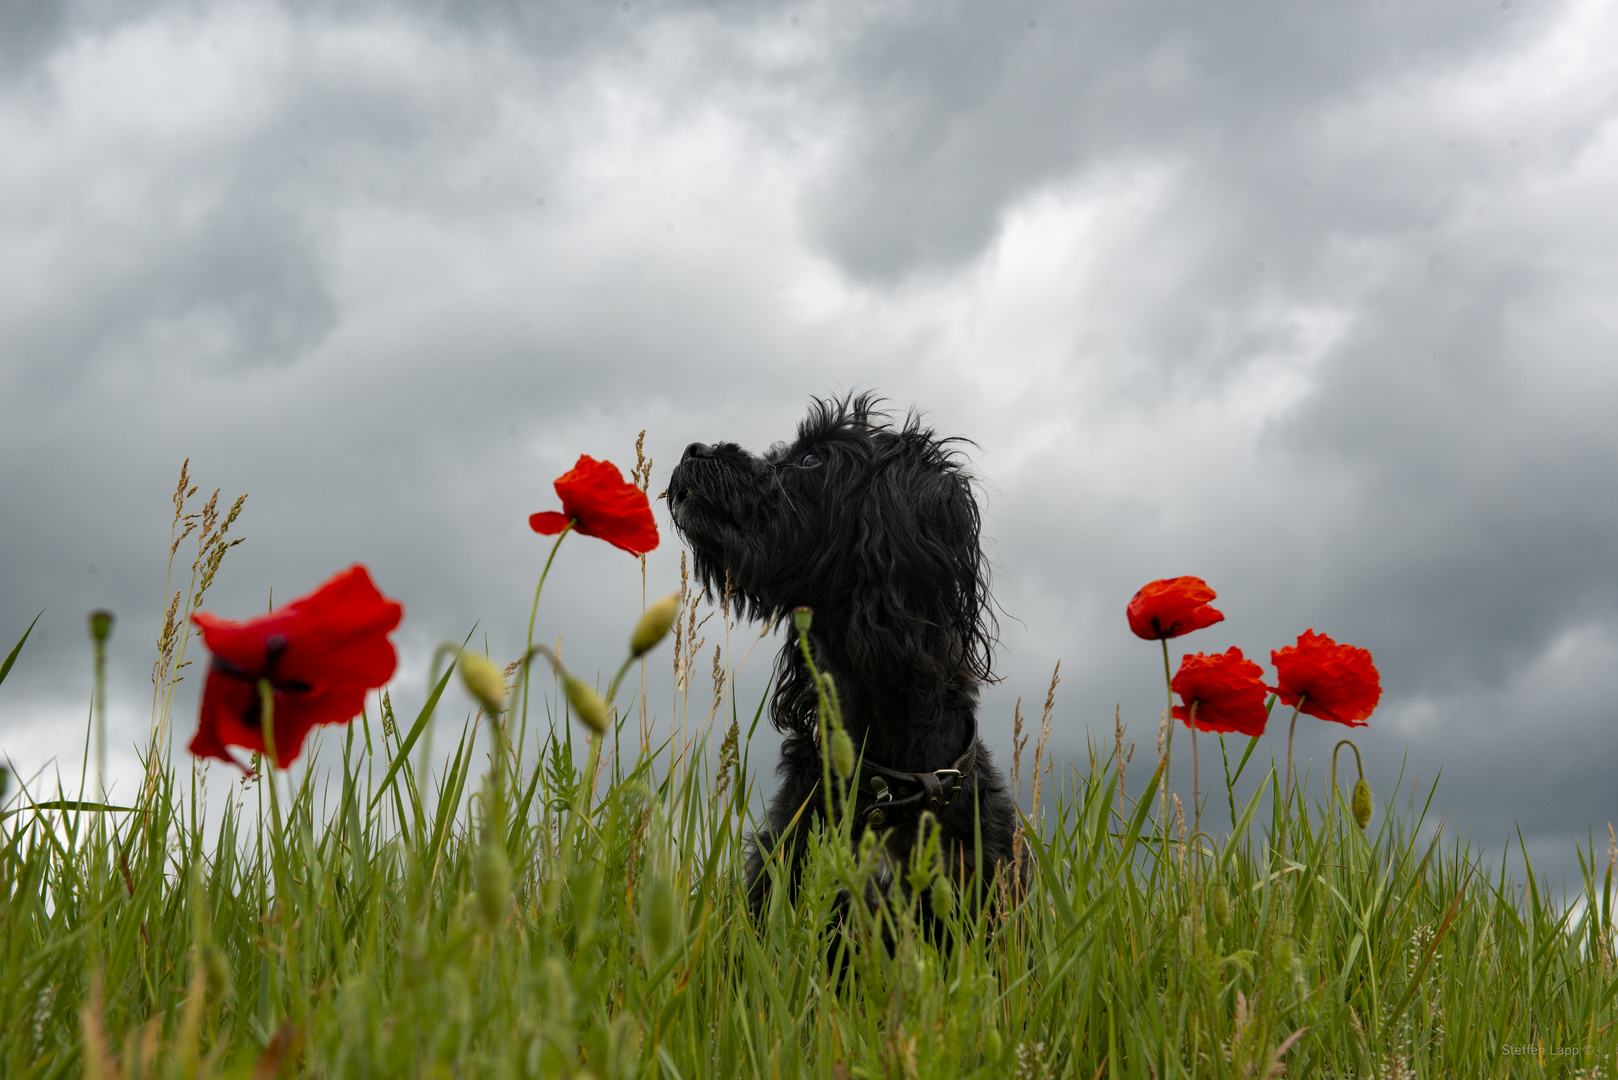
69, 804
416, 729
11, 657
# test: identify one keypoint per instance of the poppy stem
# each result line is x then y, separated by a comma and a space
1196, 776
534, 612
271, 762
266, 697
596, 739
612, 687
822, 714
1358, 765
588, 780
1168, 747
495, 811
101, 715
1286, 801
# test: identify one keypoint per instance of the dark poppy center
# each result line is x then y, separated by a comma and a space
275, 647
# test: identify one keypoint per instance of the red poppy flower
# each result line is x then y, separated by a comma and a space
1336, 682
1228, 690
1171, 607
600, 503
320, 653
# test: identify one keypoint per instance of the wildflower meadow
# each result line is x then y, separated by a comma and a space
562, 898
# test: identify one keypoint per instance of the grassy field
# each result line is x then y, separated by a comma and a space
363, 927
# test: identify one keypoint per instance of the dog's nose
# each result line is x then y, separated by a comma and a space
696, 450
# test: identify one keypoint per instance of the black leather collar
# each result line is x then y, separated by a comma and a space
901, 797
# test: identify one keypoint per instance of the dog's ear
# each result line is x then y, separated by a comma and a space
919, 612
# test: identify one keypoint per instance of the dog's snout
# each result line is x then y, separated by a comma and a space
696, 450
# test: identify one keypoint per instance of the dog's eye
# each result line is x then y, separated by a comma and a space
810, 460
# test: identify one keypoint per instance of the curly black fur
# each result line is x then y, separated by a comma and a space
874, 525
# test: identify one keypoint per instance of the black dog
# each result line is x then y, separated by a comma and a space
875, 527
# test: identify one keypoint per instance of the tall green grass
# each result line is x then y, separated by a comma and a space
350, 940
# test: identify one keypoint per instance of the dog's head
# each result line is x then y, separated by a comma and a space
872, 524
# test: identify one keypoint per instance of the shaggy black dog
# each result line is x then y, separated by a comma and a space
874, 526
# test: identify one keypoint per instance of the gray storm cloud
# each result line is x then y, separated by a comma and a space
1314, 305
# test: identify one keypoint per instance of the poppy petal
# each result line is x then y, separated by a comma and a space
321, 654
548, 522
1335, 682
1227, 689
1171, 607
600, 503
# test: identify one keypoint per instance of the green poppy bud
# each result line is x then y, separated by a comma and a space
101, 624
1362, 803
801, 618
587, 704
654, 624
484, 682
993, 1045
842, 753
492, 876
657, 916
943, 897
1219, 905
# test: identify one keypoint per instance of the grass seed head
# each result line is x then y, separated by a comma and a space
220, 980
718, 678
492, 873
728, 757
658, 916
556, 989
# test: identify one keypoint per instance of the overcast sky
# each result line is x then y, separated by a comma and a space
1312, 301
